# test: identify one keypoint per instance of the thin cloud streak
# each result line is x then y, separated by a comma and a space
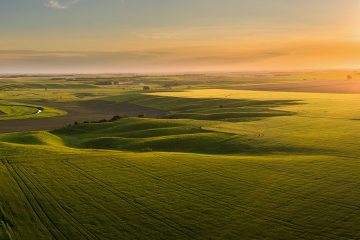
197, 58
58, 4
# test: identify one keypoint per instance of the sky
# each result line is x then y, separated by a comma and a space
121, 36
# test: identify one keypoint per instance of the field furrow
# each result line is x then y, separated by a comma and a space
136, 204
69, 224
35, 204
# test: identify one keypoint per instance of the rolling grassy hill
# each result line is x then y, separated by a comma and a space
306, 121
221, 109
288, 170
52, 191
166, 135
13, 110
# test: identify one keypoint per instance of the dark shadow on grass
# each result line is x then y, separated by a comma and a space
135, 134
230, 110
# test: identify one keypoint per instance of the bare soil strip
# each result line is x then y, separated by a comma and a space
92, 110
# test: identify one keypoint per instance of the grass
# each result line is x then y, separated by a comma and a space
221, 109
114, 195
31, 138
307, 120
12, 110
166, 135
224, 164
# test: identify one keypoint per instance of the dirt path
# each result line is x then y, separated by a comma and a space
77, 111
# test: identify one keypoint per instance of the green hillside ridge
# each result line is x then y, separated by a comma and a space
14, 110
32, 138
139, 134
224, 164
89, 193
232, 110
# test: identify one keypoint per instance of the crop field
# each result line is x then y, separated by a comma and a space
208, 156
10, 110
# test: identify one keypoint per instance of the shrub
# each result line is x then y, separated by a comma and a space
115, 118
170, 117
147, 149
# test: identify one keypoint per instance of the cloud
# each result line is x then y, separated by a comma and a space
287, 56
60, 4
153, 60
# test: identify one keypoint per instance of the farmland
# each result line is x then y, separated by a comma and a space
207, 156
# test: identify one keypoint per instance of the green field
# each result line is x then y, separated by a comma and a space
222, 163
11, 110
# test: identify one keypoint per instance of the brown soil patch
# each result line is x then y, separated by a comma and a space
77, 111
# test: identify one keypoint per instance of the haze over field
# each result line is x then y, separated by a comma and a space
91, 36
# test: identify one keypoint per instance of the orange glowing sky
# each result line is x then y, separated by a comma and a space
90, 36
